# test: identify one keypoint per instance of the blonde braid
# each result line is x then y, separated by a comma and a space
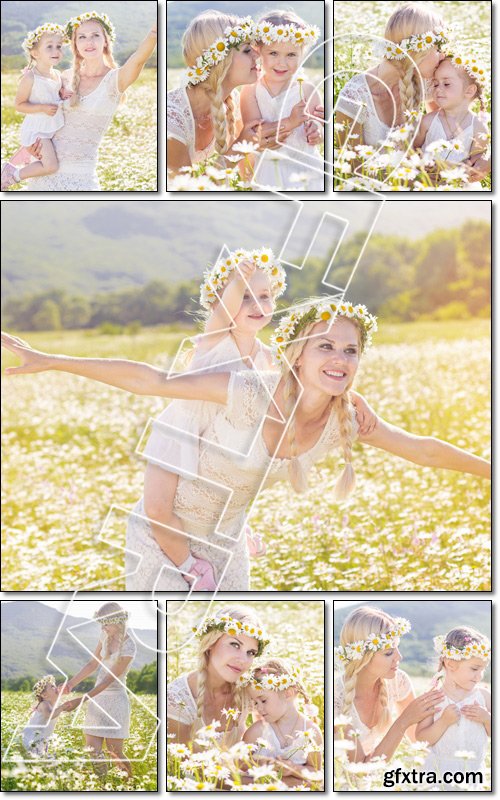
75, 85
384, 719
351, 672
218, 111
202, 680
346, 481
409, 91
230, 117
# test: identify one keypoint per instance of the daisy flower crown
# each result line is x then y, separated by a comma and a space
267, 33
270, 680
471, 649
216, 277
233, 627
354, 651
233, 37
41, 685
418, 43
117, 618
476, 71
34, 36
105, 21
294, 323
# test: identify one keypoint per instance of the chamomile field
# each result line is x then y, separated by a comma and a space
68, 456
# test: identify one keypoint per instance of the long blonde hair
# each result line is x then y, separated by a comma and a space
198, 36
357, 627
458, 637
78, 60
342, 405
106, 610
206, 642
406, 21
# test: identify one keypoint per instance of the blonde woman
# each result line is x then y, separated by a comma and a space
228, 642
94, 87
378, 98
108, 720
372, 692
271, 426
203, 114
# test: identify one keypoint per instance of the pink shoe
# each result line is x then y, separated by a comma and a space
255, 543
203, 572
7, 177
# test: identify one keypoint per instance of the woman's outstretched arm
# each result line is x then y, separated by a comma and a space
134, 65
132, 376
425, 450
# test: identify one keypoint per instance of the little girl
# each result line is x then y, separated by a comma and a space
457, 83
38, 97
293, 739
282, 93
38, 731
463, 722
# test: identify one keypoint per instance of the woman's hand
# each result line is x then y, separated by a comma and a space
70, 705
31, 360
420, 708
314, 132
50, 109
451, 715
297, 115
35, 149
65, 94
318, 111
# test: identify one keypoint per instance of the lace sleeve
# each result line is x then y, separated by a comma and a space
180, 703
129, 648
177, 118
249, 394
338, 698
403, 685
352, 98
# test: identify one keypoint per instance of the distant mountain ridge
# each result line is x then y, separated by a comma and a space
29, 628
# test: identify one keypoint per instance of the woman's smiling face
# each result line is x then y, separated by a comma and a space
231, 656
330, 358
90, 41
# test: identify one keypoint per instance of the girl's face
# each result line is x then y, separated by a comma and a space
257, 306
50, 693
448, 87
48, 51
271, 705
429, 63
466, 673
90, 41
243, 67
280, 60
231, 656
329, 360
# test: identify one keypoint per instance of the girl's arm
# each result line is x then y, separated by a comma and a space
431, 732
132, 376
422, 130
134, 65
425, 450
22, 104
401, 705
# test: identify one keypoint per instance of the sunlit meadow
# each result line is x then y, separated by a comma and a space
70, 771
389, 168
128, 152
281, 619
69, 444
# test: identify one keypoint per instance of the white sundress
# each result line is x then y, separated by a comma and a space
37, 733
295, 155
181, 707
213, 507
40, 125
463, 735
398, 688
108, 715
465, 136
77, 142
290, 752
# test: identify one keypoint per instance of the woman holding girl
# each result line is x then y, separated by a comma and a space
269, 426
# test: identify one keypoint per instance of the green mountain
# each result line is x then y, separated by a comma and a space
28, 630
428, 618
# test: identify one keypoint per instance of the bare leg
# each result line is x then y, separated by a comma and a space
115, 750
160, 487
96, 743
47, 165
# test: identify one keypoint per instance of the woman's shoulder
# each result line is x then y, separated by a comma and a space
183, 684
402, 685
129, 647
181, 704
355, 86
250, 392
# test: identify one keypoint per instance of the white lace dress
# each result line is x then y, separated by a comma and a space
175, 439
465, 136
398, 688
37, 732
43, 126
108, 715
464, 735
290, 752
296, 155
181, 707
77, 142
356, 97
231, 473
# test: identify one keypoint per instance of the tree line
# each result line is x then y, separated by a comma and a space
143, 681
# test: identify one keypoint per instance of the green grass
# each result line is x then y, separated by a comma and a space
69, 454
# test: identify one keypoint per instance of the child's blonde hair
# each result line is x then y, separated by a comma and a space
458, 637
357, 627
406, 21
106, 610
342, 405
199, 35
206, 642
77, 64
282, 666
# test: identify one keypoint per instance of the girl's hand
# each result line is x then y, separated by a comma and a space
451, 715
476, 713
67, 688
297, 115
250, 131
245, 269
31, 360
35, 149
49, 109
65, 94
70, 705
314, 132
319, 112
422, 707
